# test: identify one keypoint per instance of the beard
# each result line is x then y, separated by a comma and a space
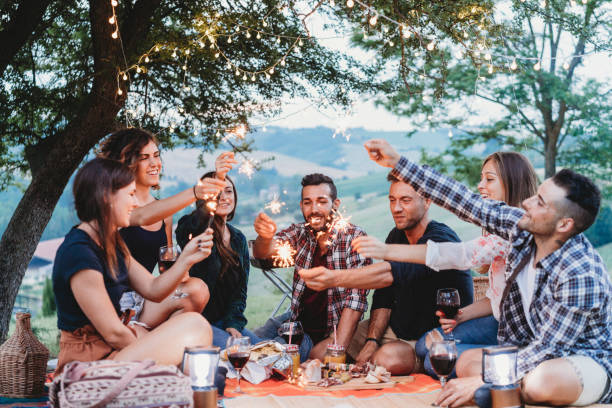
323, 224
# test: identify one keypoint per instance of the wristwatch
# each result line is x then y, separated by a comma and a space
372, 339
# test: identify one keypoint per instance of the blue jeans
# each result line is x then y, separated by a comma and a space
220, 336
269, 331
475, 333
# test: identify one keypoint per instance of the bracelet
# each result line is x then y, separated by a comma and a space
373, 339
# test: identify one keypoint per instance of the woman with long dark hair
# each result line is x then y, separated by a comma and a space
505, 176
151, 223
93, 268
226, 270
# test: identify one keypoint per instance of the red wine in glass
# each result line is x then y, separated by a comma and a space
448, 302
443, 356
239, 359
443, 364
164, 265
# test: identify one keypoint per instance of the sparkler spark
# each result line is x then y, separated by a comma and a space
339, 222
275, 205
247, 168
284, 255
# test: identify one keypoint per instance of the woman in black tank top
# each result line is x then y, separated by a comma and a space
151, 224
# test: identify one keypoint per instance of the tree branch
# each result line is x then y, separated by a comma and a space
17, 32
534, 129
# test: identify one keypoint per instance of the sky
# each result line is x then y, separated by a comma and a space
304, 113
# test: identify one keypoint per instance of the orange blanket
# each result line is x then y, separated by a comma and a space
422, 384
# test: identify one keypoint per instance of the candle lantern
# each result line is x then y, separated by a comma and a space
499, 371
200, 363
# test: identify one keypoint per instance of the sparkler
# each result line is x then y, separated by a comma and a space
338, 224
284, 255
275, 205
212, 207
247, 168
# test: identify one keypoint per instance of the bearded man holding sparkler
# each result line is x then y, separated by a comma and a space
318, 241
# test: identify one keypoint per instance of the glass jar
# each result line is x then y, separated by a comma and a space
293, 351
335, 354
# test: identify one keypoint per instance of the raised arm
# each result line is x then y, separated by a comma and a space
160, 209
372, 276
265, 228
494, 216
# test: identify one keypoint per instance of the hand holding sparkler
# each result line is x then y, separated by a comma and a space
370, 247
318, 278
382, 152
224, 163
265, 227
208, 187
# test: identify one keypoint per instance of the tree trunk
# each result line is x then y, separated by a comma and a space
550, 157
69, 148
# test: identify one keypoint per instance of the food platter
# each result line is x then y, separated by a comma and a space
360, 384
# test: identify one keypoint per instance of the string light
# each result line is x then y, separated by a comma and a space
115, 34
350, 3
431, 46
537, 66
566, 65
373, 20
513, 65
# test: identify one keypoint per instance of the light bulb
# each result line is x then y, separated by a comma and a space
184, 67
217, 55
267, 76
513, 65
566, 66
229, 40
125, 77
253, 77
373, 20
300, 43
431, 45
405, 32
350, 3
174, 54
450, 134
488, 56
119, 91
187, 51
157, 48
115, 34
237, 29
147, 59
248, 35
229, 66
537, 66
237, 72
490, 69
258, 36
265, 24
271, 70
391, 43
465, 34
282, 62
114, 3
244, 77
111, 20
278, 40
138, 70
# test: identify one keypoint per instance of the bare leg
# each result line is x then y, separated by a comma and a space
469, 363
553, 382
153, 314
397, 357
166, 343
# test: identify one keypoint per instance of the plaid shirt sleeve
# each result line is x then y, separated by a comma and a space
494, 216
289, 234
356, 299
577, 298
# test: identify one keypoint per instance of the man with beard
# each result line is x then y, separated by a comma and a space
557, 304
317, 243
404, 304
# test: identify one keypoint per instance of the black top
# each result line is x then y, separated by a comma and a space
228, 295
313, 307
79, 252
412, 296
144, 245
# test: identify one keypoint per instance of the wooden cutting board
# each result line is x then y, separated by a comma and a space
360, 384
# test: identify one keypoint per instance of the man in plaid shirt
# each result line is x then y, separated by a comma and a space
318, 242
557, 306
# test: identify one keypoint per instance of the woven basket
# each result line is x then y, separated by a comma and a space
481, 284
23, 362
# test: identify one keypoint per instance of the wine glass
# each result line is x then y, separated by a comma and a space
238, 352
291, 332
443, 356
448, 302
167, 256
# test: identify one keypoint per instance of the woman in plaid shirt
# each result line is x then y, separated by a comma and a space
557, 306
